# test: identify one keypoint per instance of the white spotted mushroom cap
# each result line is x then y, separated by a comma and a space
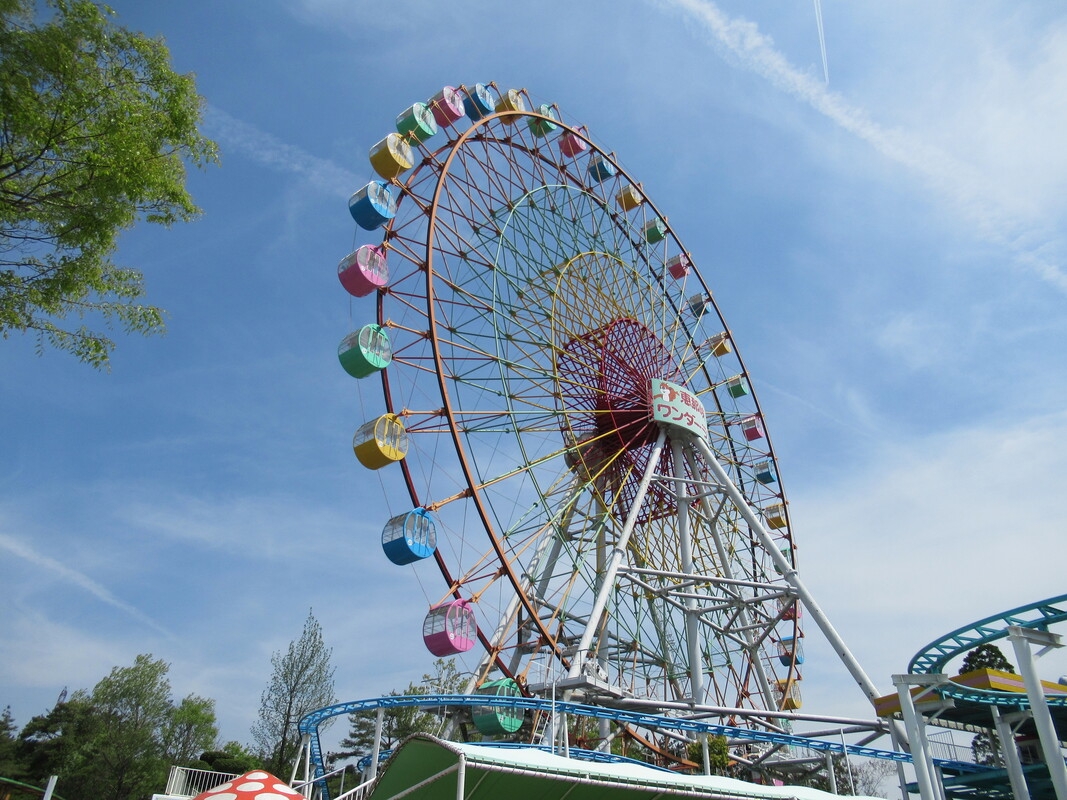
258, 785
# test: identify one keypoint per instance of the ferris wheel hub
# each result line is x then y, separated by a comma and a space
606, 379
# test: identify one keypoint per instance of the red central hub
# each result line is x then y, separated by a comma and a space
605, 380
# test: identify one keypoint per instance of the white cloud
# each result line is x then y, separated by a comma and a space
51, 655
272, 528
265, 149
916, 341
971, 185
933, 534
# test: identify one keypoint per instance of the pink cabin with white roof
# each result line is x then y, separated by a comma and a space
363, 271
678, 266
752, 428
450, 628
447, 106
571, 144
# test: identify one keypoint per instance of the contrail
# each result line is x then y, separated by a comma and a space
750, 49
822, 41
27, 553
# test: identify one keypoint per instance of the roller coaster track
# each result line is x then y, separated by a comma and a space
309, 725
931, 660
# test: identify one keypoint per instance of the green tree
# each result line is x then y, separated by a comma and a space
397, 724
986, 656
190, 729
233, 758
63, 742
10, 766
719, 761
95, 133
134, 706
400, 722
867, 778
301, 681
117, 742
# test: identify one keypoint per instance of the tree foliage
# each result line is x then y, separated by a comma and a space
301, 681
63, 742
10, 766
233, 758
719, 761
134, 708
400, 723
987, 656
867, 778
95, 134
118, 741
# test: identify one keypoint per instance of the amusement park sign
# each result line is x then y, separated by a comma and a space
678, 409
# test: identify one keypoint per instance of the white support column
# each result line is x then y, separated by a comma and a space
618, 553
379, 723
685, 543
1006, 735
790, 574
920, 754
727, 572
901, 779
1021, 639
305, 743
461, 777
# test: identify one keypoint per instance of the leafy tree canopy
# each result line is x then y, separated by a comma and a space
118, 741
401, 722
95, 134
986, 656
233, 758
10, 767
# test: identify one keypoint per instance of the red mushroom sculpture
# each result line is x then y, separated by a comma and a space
258, 785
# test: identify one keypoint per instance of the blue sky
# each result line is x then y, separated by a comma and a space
888, 249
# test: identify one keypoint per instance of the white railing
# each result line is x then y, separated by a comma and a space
944, 745
186, 782
358, 792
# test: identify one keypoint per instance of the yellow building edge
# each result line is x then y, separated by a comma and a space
985, 678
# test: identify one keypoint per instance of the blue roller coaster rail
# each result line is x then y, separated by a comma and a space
931, 660
309, 725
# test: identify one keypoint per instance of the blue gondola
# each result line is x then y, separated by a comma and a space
478, 102
373, 205
409, 537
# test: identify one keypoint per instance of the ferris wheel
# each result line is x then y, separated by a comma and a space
583, 452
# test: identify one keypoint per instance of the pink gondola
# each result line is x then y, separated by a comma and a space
450, 628
447, 106
678, 266
752, 428
570, 144
363, 271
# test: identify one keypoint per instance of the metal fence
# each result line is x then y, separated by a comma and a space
946, 746
185, 782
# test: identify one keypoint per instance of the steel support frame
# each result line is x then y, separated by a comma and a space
916, 729
1021, 639
1005, 725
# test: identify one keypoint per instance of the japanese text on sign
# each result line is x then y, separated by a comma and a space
678, 408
